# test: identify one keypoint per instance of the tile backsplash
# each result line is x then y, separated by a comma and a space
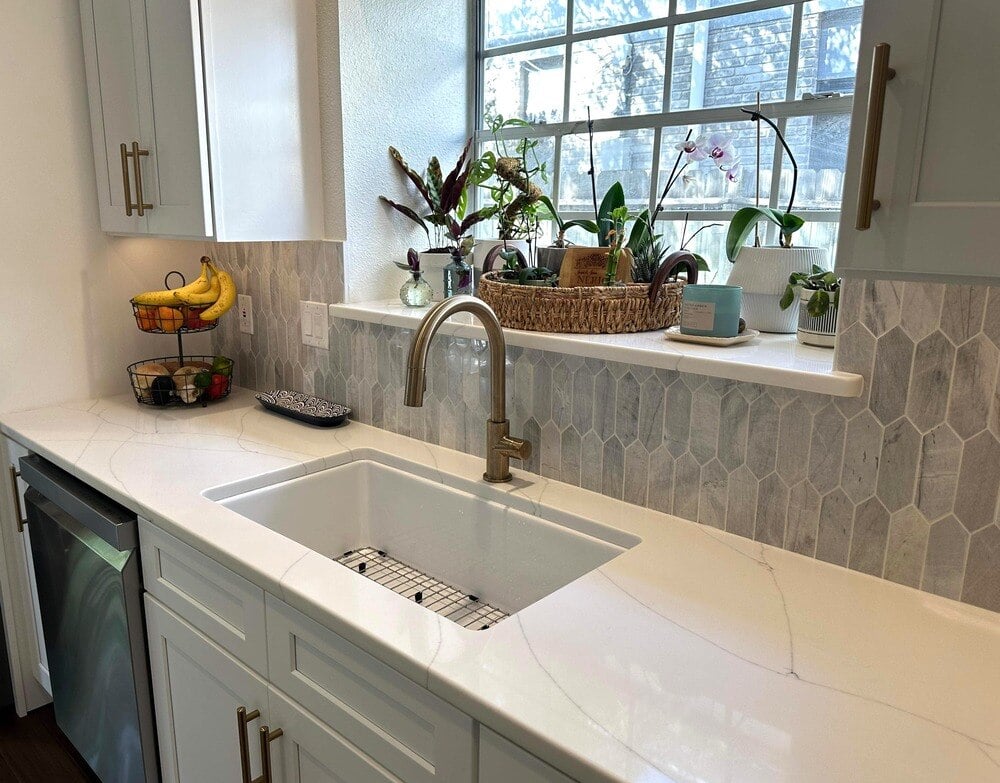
900, 483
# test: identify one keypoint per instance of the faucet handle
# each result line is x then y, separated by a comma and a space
516, 448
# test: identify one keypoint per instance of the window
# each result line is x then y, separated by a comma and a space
649, 71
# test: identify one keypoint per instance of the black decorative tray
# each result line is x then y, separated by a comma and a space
305, 407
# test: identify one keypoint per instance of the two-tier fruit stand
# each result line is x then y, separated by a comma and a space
181, 379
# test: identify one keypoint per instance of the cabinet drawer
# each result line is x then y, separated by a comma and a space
224, 606
501, 761
408, 730
309, 752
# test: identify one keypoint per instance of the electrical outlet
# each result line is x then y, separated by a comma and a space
315, 319
244, 306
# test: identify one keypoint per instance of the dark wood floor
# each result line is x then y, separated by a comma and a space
33, 750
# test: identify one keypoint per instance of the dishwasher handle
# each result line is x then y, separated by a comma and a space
111, 521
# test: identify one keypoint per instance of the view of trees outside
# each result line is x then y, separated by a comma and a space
715, 64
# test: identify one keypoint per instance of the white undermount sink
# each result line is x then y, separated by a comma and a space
413, 534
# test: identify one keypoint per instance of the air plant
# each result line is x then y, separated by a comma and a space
746, 219
444, 198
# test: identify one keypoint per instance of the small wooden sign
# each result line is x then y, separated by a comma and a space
585, 266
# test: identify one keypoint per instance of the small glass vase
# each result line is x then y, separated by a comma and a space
416, 292
457, 278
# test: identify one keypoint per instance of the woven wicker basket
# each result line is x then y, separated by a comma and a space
581, 310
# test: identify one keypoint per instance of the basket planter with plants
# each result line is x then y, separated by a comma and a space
817, 295
628, 283
443, 214
763, 272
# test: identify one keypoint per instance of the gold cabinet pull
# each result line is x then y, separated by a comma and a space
882, 74
125, 180
242, 719
141, 205
21, 521
266, 738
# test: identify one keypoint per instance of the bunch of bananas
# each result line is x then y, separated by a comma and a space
214, 290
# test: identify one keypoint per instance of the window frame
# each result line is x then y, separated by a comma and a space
780, 111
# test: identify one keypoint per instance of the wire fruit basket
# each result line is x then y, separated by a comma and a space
179, 380
177, 318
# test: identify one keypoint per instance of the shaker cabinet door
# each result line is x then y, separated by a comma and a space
936, 181
197, 689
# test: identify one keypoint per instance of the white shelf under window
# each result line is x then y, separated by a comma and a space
773, 360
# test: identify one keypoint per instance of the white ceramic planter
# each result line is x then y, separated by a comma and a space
432, 270
821, 332
763, 273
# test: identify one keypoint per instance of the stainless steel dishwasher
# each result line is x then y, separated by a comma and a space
85, 550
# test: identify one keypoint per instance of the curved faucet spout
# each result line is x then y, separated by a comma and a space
416, 373
500, 446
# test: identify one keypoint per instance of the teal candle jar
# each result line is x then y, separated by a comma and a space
711, 310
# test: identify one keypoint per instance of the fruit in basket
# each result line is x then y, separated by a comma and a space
146, 318
207, 297
222, 366
192, 318
227, 298
203, 380
218, 387
144, 375
169, 319
162, 389
188, 393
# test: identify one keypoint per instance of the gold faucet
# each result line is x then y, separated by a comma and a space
500, 446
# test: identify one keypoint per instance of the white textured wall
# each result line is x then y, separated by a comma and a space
403, 70
66, 330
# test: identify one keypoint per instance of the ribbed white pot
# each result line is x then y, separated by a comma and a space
822, 331
763, 273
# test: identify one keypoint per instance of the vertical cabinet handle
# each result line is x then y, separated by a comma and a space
882, 74
266, 738
21, 521
125, 180
141, 205
242, 719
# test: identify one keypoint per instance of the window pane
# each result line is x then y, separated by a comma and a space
620, 156
686, 6
620, 76
528, 85
593, 14
828, 58
724, 62
820, 148
516, 21
819, 234
706, 187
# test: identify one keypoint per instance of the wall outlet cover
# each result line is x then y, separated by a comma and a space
315, 319
244, 307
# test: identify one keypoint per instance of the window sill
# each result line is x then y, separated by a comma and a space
772, 360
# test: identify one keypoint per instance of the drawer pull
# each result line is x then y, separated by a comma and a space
881, 75
266, 738
242, 719
21, 521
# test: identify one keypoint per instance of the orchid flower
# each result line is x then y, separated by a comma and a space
718, 147
733, 172
691, 148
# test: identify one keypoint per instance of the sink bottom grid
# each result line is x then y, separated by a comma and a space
449, 602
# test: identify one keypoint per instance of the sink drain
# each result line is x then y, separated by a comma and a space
449, 602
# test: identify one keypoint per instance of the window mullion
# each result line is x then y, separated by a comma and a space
795, 46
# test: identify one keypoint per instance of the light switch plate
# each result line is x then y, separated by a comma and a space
244, 307
315, 319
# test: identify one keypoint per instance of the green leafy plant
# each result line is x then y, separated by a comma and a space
824, 285
443, 199
651, 252
562, 226
746, 219
616, 242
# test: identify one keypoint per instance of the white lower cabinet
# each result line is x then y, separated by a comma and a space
501, 761
197, 689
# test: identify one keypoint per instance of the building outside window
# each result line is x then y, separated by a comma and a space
651, 70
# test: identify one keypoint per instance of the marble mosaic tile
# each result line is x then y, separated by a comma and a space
901, 482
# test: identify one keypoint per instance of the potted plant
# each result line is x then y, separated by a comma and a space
818, 295
510, 173
552, 256
763, 272
444, 210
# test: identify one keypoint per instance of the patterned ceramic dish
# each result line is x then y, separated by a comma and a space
305, 407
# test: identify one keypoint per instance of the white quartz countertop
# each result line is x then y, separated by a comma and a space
694, 656
770, 359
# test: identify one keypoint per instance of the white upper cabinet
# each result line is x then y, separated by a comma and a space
937, 179
205, 118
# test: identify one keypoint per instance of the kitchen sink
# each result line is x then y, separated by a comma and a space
473, 560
